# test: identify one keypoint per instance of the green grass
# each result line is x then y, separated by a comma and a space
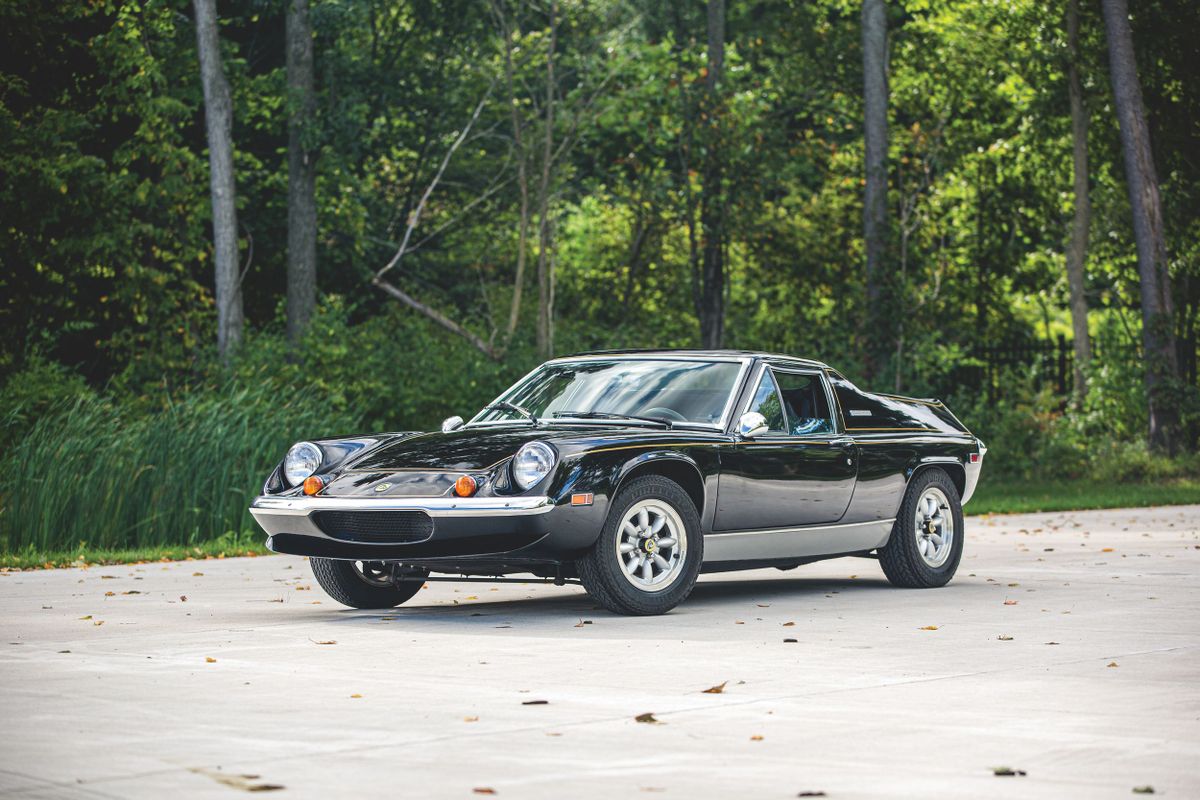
89, 556
98, 477
1008, 497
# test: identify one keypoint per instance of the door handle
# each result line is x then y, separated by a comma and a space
843, 441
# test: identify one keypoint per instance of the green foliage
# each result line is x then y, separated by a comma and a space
105, 260
391, 371
35, 391
97, 474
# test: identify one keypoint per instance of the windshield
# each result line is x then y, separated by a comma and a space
695, 392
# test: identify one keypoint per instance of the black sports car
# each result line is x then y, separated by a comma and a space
632, 473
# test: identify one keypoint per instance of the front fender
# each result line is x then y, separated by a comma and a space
602, 475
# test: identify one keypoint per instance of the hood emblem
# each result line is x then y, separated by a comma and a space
383, 487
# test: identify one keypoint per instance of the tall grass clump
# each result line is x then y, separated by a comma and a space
98, 474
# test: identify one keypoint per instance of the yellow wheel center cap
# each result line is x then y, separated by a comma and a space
650, 545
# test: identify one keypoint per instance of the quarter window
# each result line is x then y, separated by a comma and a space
766, 402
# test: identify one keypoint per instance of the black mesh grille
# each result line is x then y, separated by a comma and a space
393, 527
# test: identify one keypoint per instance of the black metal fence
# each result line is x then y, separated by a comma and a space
1052, 363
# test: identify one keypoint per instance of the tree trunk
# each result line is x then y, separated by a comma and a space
302, 173
712, 206
1077, 249
506, 30
875, 135
218, 118
545, 264
1158, 336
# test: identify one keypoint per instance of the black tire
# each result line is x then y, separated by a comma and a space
342, 581
601, 571
901, 558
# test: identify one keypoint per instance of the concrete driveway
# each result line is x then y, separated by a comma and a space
1067, 648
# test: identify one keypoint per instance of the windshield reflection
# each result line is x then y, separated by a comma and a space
676, 392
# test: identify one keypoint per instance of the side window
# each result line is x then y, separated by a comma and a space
804, 403
766, 402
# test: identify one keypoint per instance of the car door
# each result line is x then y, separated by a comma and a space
800, 471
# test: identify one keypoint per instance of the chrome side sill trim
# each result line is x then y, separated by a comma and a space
434, 506
815, 540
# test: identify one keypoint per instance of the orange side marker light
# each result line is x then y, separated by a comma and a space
464, 486
582, 499
313, 484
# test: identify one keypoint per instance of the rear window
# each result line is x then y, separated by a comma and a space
873, 413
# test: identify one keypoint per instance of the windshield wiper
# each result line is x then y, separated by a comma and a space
607, 415
504, 405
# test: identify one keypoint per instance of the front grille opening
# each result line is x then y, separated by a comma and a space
375, 527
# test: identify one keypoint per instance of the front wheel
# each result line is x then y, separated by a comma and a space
364, 584
927, 538
648, 556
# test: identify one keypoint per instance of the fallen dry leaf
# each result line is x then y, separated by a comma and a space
1010, 602
98, 622
327, 641
535, 702
1112, 664
1004, 637
929, 628
791, 641
197, 574
355, 696
1106, 549
1143, 790
183, 598
756, 738
1051, 642
718, 689
470, 719
1007, 772
245, 782
811, 794
648, 718
789, 624
483, 790
89, 616
110, 594
209, 660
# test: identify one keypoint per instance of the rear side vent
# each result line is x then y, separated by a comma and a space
375, 527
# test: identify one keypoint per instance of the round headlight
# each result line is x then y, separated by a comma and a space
532, 463
302, 460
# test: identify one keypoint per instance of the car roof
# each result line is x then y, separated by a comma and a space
691, 353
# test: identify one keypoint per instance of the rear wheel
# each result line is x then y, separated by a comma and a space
927, 538
364, 584
648, 556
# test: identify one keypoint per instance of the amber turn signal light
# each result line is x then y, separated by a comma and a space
313, 484
464, 486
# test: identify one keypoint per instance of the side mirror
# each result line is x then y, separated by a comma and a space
752, 424
451, 424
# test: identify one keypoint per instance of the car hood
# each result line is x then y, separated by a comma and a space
463, 450
427, 464
472, 449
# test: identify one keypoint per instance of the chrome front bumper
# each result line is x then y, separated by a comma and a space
292, 515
